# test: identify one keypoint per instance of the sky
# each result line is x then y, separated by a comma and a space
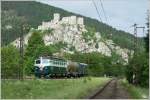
121, 14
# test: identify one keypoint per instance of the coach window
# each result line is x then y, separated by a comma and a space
56, 63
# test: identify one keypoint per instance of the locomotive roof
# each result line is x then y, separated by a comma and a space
83, 64
52, 57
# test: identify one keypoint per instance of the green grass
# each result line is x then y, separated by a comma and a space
46, 89
136, 92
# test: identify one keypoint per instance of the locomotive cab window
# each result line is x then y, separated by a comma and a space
37, 61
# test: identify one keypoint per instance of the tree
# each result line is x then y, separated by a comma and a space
137, 71
44, 51
10, 62
11, 26
34, 42
96, 46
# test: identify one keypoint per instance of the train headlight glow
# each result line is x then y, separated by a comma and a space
41, 67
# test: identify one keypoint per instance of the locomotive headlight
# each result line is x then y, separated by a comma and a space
41, 67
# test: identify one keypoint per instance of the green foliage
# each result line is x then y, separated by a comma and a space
139, 67
136, 92
33, 43
11, 26
33, 13
28, 65
45, 51
72, 48
13, 13
91, 31
9, 62
89, 35
37, 48
59, 45
48, 31
98, 64
50, 89
147, 42
86, 36
31, 52
96, 46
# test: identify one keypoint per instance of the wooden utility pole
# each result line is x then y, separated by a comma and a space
21, 53
24, 29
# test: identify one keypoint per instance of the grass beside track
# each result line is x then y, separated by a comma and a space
136, 92
50, 89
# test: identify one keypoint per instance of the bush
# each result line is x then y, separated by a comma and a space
139, 67
10, 62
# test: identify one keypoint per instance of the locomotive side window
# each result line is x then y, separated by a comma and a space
45, 61
38, 61
60, 63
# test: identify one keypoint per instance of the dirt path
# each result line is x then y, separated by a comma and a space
112, 91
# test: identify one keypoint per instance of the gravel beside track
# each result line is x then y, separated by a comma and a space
112, 90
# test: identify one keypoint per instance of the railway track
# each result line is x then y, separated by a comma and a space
112, 90
54, 78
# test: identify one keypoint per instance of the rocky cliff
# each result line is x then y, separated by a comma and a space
72, 31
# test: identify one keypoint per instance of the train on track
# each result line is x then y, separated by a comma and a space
49, 67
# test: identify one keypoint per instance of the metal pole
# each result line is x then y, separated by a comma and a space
147, 24
135, 51
143, 32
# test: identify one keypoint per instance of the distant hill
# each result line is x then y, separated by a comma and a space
33, 13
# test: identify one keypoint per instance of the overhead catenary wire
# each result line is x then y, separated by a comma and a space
104, 11
97, 10
101, 21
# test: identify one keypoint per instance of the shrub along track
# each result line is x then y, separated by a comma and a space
112, 90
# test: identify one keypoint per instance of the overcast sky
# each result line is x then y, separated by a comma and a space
121, 14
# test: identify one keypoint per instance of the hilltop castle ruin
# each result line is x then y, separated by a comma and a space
71, 20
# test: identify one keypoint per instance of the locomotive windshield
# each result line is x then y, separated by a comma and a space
38, 61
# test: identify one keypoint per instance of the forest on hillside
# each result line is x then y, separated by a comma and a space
98, 64
18, 69
33, 13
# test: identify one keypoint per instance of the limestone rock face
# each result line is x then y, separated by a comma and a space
56, 17
104, 49
69, 30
